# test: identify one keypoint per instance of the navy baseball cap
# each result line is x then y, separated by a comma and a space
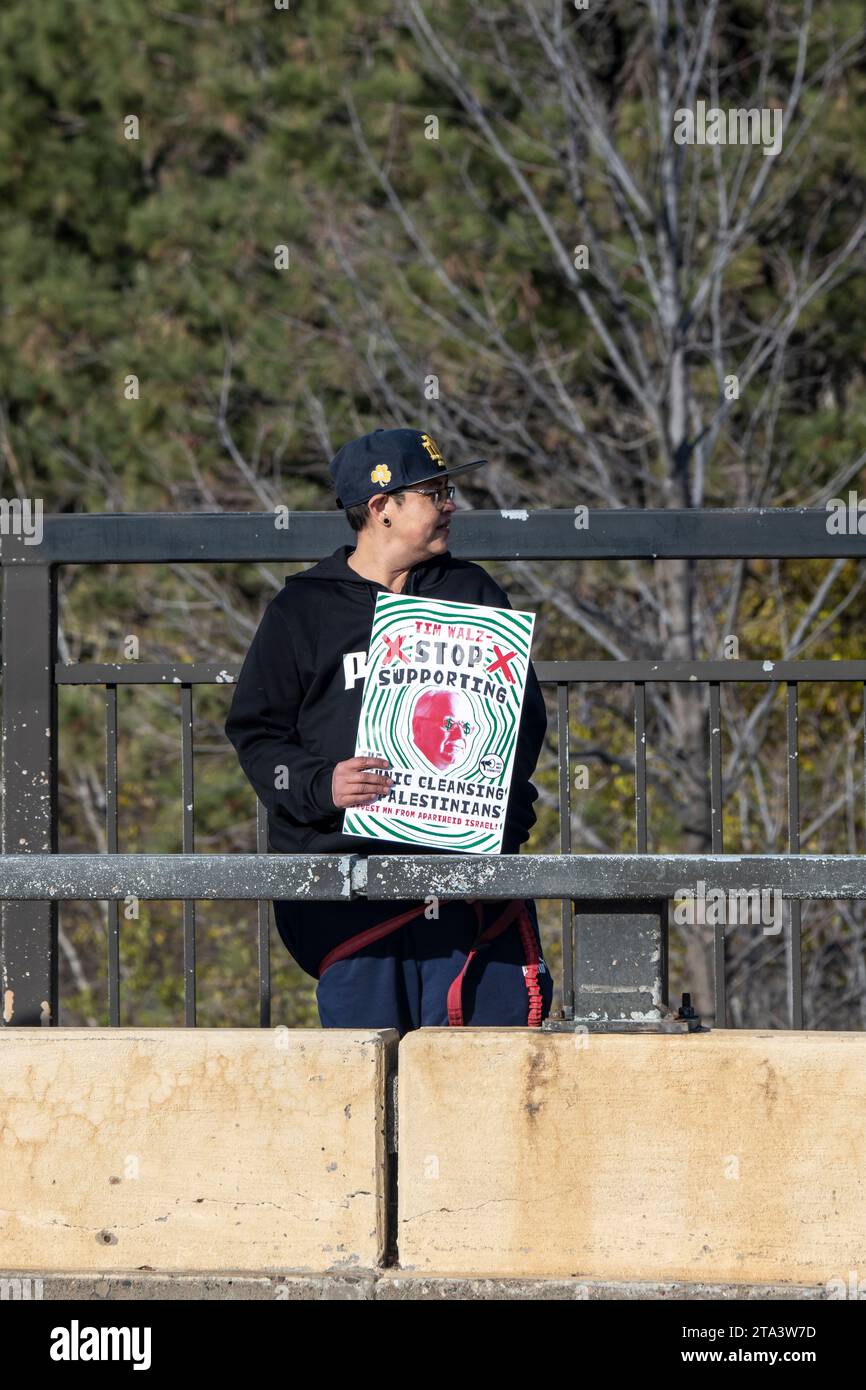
386, 460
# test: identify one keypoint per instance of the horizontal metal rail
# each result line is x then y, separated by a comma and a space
247, 538
177, 674
329, 877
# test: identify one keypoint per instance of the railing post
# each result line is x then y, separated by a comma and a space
28, 930
620, 962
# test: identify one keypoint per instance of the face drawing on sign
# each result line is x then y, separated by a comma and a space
442, 721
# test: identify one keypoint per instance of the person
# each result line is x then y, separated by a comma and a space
293, 721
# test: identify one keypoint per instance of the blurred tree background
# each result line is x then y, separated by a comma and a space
433, 175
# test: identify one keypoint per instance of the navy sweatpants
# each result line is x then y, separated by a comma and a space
402, 980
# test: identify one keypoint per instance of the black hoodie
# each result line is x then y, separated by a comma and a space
298, 699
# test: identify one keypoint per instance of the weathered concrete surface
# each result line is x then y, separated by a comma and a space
195, 1285
728, 1156
382, 1285
186, 1149
392, 1286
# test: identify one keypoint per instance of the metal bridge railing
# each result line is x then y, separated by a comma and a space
33, 877
585, 880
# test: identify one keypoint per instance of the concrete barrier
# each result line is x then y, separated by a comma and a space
728, 1156
193, 1149
383, 1285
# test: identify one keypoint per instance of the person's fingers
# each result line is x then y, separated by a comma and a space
371, 786
359, 780
362, 792
356, 783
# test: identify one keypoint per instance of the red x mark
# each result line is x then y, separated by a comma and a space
502, 664
395, 648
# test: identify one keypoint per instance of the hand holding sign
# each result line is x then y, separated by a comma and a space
353, 785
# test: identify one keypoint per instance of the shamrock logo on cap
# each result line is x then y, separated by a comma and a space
381, 474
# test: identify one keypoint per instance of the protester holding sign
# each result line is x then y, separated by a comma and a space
295, 718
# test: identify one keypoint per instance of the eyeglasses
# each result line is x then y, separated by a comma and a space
449, 722
440, 494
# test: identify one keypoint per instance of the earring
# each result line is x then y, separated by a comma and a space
386, 521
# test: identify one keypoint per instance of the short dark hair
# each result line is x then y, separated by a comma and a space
359, 515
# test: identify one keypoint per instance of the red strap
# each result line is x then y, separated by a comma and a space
364, 938
515, 909
530, 970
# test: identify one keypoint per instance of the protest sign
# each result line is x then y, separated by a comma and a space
442, 699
